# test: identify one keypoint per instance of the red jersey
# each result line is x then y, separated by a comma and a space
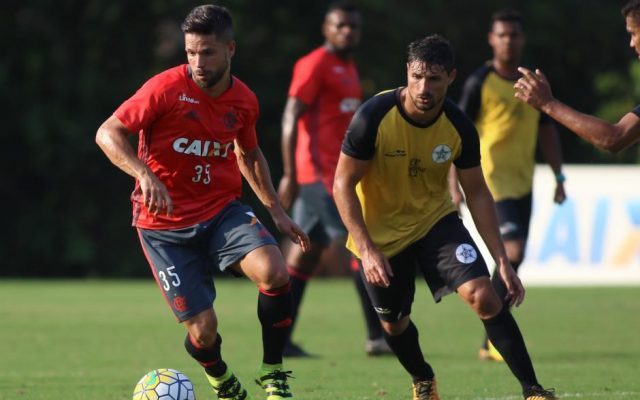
331, 88
187, 137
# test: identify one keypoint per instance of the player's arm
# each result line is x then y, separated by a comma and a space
534, 89
552, 152
255, 170
483, 211
288, 187
349, 172
112, 137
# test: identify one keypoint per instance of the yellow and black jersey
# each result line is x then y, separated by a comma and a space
405, 191
508, 130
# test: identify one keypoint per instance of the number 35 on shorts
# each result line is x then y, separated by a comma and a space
169, 278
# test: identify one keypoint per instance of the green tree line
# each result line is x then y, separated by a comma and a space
68, 64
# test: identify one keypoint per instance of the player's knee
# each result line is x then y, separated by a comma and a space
483, 299
276, 277
395, 328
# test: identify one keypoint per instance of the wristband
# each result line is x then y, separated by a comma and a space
560, 178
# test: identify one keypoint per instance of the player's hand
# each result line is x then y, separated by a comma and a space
559, 196
155, 194
515, 290
286, 225
287, 191
376, 267
533, 88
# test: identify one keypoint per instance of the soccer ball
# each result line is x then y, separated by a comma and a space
164, 384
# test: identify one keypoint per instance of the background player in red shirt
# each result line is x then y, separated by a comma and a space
196, 126
323, 95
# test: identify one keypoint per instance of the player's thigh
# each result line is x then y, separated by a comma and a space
182, 271
392, 303
448, 257
236, 232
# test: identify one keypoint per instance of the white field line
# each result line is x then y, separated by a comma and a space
563, 396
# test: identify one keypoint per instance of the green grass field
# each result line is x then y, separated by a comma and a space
93, 340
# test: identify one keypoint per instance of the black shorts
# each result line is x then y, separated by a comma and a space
514, 216
183, 260
447, 257
317, 215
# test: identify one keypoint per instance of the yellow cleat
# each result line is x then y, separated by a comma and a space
425, 390
538, 393
274, 381
490, 353
228, 387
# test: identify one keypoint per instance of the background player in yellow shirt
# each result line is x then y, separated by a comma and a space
392, 192
508, 130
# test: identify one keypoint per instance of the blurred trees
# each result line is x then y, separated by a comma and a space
68, 64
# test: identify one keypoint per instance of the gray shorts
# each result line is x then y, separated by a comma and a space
183, 260
317, 215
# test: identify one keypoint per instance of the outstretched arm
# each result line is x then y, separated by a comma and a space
348, 173
112, 139
255, 170
534, 89
483, 211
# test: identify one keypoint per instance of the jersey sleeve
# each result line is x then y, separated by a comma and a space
470, 153
306, 80
636, 110
470, 99
360, 139
144, 107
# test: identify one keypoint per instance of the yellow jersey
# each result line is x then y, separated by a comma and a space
508, 130
405, 191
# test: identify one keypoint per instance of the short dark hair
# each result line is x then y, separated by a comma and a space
342, 5
432, 50
632, 9
507, 15
209, 19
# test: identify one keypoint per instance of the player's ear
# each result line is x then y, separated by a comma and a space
452, 75
231, 47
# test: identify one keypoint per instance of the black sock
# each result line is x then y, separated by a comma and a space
505, 336
374, 329
209, 358
407, 348
274, 313
501, 290
298, 286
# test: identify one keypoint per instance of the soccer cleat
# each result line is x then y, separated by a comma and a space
377, 347
539, 393
274, 381
425, 390
228, 387
293, 350
490, 353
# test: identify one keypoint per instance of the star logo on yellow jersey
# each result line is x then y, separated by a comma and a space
441, 154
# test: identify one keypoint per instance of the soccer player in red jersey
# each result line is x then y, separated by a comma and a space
323, 95
534, 89
196, 128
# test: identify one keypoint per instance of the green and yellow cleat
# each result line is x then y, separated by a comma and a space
273, 380
228, 387
490, 353
425, 390
539, 393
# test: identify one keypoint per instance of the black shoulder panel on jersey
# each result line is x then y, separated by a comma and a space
360, 140
470, 99
470, 153
636, 111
